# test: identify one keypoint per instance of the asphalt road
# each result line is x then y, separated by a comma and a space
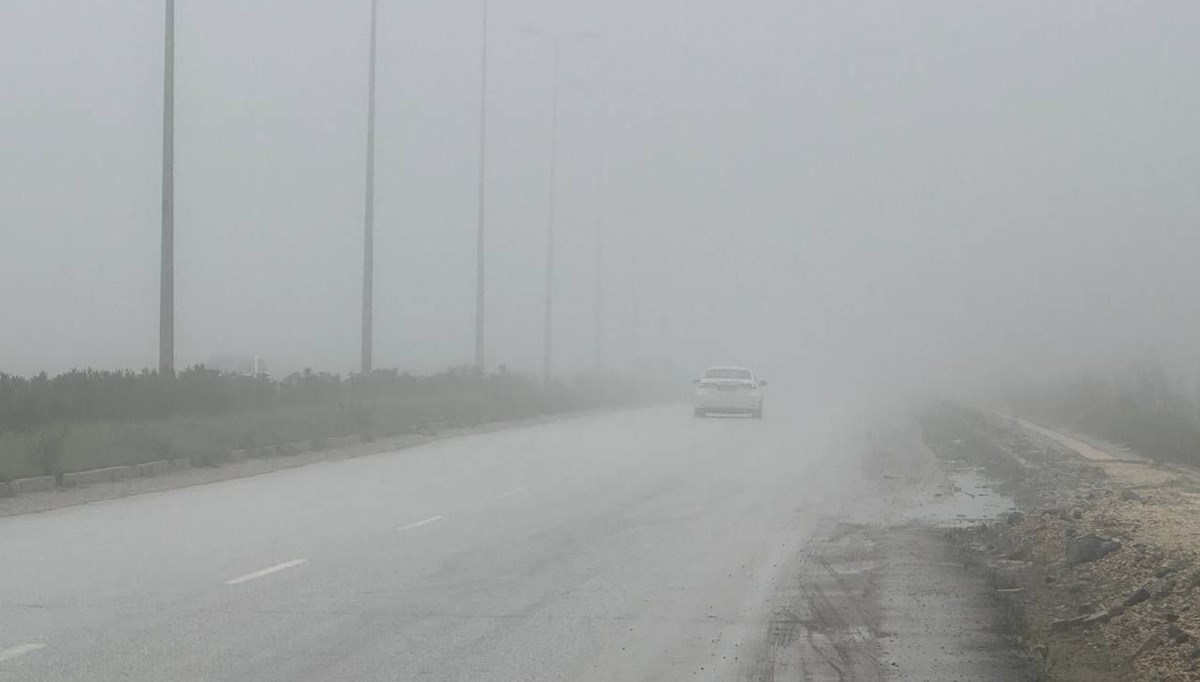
639, 545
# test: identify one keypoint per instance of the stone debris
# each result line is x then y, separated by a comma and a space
1088, 619
1111, 575
1091, 547
1150, 644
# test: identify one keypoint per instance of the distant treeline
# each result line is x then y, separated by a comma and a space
29, 404
1142, 406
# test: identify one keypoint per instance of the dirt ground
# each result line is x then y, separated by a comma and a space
878, 592
1123, 615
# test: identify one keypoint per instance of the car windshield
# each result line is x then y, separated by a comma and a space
727, 374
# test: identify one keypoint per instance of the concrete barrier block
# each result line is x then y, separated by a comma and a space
98, 475
298, 448
239, 455
6, 489
124, 473
145, 469
108, 474
35, 484
181, 463
89, 477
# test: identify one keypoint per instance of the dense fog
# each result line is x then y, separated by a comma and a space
920, 190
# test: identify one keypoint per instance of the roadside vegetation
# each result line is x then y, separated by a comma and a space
90, 419
1142, 407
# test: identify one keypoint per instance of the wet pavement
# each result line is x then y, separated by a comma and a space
644, 545
966, 498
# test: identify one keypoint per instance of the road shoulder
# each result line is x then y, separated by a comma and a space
887, 595
1102, 565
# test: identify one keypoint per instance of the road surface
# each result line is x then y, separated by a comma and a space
639, 545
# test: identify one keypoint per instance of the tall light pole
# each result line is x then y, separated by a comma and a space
548, 338
479, 237
166, 302
368, 289
599, 293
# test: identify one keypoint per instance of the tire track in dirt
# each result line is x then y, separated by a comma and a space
823, 625
873, 603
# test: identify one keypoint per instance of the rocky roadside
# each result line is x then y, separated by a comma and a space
1100, 568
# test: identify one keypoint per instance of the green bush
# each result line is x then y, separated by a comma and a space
47, 447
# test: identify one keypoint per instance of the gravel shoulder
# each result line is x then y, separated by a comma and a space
1102, 565
881, 592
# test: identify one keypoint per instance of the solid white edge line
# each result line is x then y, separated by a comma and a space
513, 492
21, 650
423, 522
266, 571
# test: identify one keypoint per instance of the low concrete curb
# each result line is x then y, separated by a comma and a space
293, 448
88, 477
423, 433
149, 469
121, 473
154, 468
341, 442
74, 479
137, 478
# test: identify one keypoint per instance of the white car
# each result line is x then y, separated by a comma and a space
729, 390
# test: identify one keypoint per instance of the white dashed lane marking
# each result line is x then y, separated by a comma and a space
21, 650
423, 522
512, 492
266, 571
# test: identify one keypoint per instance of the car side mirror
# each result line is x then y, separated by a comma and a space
695, 381
762, 382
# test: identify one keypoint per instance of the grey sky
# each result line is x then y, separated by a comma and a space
932, 185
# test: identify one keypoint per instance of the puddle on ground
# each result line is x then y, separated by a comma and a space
969, 498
